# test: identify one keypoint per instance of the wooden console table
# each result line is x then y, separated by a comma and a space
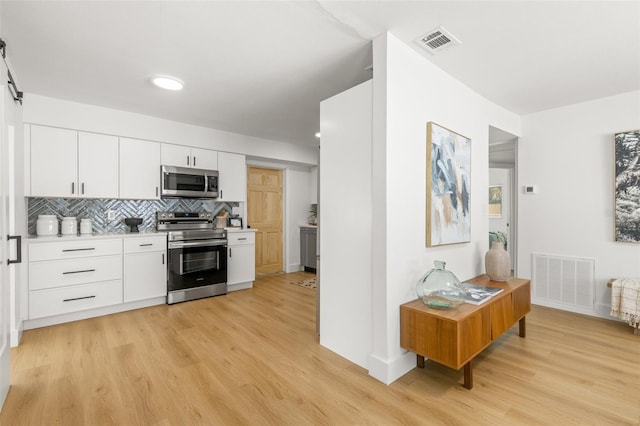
454, 337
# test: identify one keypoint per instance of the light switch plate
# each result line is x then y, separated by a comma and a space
111, 215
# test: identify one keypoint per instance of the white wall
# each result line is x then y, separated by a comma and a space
298, 207
569, 153
409, 91
313, 186
345, 223
72, 115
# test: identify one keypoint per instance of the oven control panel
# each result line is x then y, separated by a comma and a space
185, 215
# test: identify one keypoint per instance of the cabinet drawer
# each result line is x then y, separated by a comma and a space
74, 249
44, 303
145, 244
238, 238
60, 273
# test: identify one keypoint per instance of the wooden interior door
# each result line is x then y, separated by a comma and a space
264, 210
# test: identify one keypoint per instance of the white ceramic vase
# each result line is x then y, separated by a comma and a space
497, 262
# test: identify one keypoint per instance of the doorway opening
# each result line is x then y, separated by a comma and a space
264, 211
503, 166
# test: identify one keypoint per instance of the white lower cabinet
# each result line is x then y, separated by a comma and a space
69, 277
72, 276
145, 268
241, 260
66, 299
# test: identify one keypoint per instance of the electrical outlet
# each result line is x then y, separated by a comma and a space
111, 215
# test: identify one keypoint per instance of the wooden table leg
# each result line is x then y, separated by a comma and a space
468, 376
522, 326
419, 361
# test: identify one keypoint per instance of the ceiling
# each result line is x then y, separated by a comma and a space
261, 68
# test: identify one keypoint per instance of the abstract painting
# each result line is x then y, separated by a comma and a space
448, 186
627, 186
495, 201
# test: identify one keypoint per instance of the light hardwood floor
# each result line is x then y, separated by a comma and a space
252, 358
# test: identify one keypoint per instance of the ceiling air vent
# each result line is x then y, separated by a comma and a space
437, 40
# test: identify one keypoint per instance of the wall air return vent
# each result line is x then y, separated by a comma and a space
437, 40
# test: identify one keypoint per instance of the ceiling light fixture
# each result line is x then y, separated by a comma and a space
168, 83
318, 135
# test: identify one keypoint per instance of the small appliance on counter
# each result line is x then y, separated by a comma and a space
234, 222
132, 223
69, 225
47, 224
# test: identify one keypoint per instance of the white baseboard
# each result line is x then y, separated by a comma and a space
296, 267
239, 286
16, 335
390, 371
75, 316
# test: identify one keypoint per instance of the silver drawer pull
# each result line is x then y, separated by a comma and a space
82, 249
78, 298
145, 245
241, 239
78, 272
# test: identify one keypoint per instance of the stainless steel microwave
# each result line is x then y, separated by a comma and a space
188, 182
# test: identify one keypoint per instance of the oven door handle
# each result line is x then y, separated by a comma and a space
201, 243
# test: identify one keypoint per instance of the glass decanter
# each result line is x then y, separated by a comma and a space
439, 288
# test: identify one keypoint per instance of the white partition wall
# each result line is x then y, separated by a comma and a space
345, 223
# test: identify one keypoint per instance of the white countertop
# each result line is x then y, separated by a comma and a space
94, 236
106, 235
232, 230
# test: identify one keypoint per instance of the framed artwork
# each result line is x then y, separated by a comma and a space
627, 186
495, 201
448, 186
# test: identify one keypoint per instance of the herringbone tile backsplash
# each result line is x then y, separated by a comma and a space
96, 210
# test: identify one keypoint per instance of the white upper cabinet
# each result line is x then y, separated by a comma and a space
67, 163
97, 165
139, 169
205, 158
54, 162
184, 156
232, 178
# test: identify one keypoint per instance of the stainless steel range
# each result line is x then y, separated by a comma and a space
197, 254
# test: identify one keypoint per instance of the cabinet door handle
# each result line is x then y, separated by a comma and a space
146, 245
78, 298
163, 258
230, 255
221, 193
194, 161
73, 187
241, 239
82, 188
82, 249
187, 160
78, 272
156, 191
18, 239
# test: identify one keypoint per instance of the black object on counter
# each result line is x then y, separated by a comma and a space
132, 223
